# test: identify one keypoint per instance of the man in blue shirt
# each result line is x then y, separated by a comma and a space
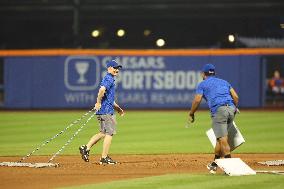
105, 107
222, 100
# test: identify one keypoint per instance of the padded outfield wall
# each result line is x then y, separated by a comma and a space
149, 79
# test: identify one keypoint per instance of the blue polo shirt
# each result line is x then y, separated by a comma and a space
216, 92
108, 98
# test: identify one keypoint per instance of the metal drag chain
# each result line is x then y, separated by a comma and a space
62, 148
55, 136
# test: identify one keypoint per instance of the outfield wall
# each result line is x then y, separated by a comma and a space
149, 79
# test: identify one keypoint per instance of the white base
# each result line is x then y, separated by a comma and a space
35, 165
234, 167
234, 135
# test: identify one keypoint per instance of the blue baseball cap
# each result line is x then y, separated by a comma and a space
114, 64
209, 68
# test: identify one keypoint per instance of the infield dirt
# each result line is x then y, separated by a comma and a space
74, 171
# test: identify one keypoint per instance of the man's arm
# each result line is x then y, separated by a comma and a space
101, 94
234, 96
118, 109
195, 104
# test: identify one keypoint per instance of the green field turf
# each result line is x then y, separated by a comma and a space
148, 132
183, 181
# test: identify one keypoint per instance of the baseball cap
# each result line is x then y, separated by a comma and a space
113, 63
209, 68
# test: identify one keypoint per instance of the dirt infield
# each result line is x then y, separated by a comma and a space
73, 171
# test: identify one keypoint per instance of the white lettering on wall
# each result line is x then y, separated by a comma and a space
81, 97
150, 73
159, 80
134, 62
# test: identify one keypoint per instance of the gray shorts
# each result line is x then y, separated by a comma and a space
223, 120
107, 124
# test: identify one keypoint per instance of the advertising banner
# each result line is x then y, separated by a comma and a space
144, 82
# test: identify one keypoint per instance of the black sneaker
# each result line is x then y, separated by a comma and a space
84, 152
107, 160
212, 167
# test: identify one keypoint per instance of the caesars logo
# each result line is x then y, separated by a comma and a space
81, 73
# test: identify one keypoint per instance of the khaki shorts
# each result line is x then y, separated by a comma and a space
223, 120
107, 124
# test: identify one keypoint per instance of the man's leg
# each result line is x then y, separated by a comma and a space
85, 149
221, 120
110, 128
213, 166
218, 153
225, 147
96, 138
224, 141
106, 145
219, 126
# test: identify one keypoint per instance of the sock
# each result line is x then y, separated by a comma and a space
217, 157
228, 156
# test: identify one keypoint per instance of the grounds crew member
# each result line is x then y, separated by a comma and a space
222, 100
105, 113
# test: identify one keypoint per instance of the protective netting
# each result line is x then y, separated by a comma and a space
272, 163
35, 165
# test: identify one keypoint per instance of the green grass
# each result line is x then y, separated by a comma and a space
181, 181
149, 132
